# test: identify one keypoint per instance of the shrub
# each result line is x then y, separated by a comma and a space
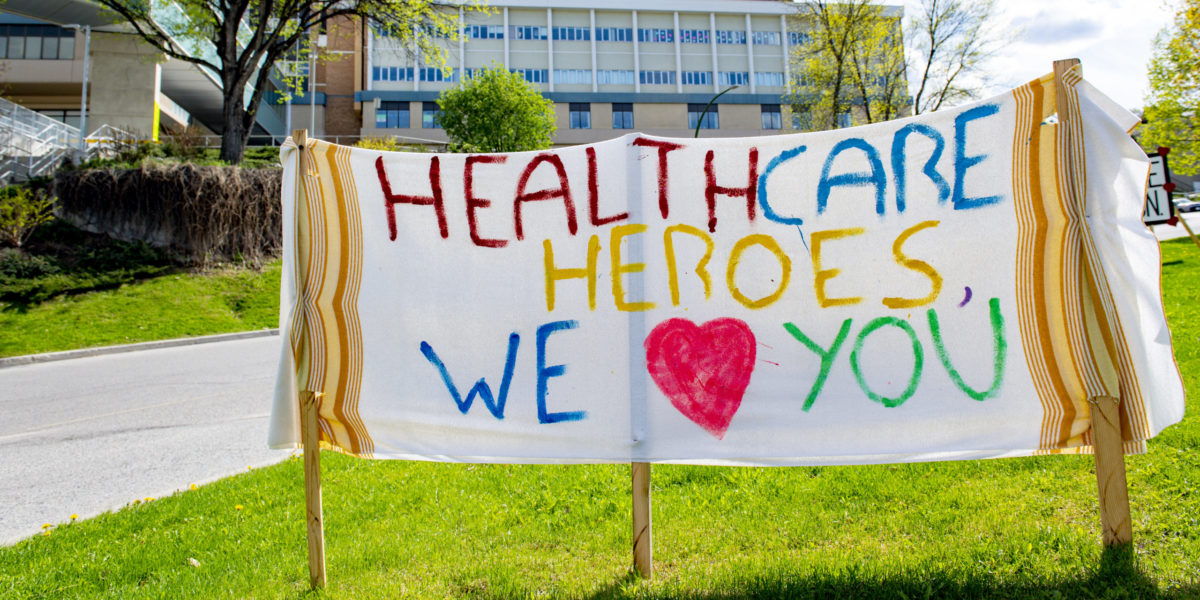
21, 211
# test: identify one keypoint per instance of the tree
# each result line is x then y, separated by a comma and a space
494, 110
952, 39
245, 38
1174, 96
852, 56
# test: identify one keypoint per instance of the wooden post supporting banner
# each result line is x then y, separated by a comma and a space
643, 559
1107, 447
1110, 471
309, 403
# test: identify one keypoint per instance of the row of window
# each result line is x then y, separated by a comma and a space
584, 76
36, 42
625, 34
395, 115
617, 34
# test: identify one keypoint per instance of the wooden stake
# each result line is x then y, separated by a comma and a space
1112, 489
1115, 524
309, 403
643, 559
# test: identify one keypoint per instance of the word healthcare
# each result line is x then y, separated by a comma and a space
938, 287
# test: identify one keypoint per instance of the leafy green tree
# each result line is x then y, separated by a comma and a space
241, 40
850, 60
496, 111
1174, 99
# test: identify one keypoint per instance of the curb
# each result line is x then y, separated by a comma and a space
29, 359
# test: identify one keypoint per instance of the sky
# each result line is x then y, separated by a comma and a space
1112, 38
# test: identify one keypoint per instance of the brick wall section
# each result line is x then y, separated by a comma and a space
338, 77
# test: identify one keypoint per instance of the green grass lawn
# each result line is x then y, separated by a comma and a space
70, 289
1014, 528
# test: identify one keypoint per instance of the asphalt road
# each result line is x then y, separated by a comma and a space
1167, 232
89, 435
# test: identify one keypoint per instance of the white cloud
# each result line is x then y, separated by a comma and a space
1112, 38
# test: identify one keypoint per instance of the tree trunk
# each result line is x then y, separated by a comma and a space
234, 136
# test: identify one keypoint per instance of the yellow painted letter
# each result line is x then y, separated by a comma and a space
701, 267
821, 276
735, 256
554, 274
935, 279
618, 269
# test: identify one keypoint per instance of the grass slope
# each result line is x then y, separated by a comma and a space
1016, 528
180, 304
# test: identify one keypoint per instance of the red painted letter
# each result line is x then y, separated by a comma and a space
711, 189
390, 199
562, 191
474, 202
663, 178
594, 194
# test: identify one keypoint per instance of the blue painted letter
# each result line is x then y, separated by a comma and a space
962, 162
899, 141
859, 178
481, 388
544, 374
768, 212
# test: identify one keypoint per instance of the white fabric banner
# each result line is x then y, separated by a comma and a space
949, 286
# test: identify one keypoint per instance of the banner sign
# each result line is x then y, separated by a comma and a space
953, 285
1159, 208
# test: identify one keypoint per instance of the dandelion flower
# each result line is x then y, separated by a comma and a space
74, 516
237, 507
192, 487
149, 498
46, 526
45, 533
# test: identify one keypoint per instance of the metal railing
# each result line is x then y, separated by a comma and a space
31, 144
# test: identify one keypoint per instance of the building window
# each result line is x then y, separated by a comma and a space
581, 115
728, 78
533, 75
573, 34
486, 32
391, 73
614, 34
572, 76
798, 38
656, 35
843, 119
37, 42
697, 78
70, 117
658, 77
693, 36
801, 120
766, 38
392, 115
436, 74
622, 115
768, 78
731, 36
771, 117
430, 113
530, 32
711, 119
614, 77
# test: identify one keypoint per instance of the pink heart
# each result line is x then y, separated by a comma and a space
702, 370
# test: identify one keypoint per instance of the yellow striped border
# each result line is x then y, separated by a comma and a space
326, 334
1074, 345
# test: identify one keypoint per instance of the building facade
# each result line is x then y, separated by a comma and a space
610, 68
